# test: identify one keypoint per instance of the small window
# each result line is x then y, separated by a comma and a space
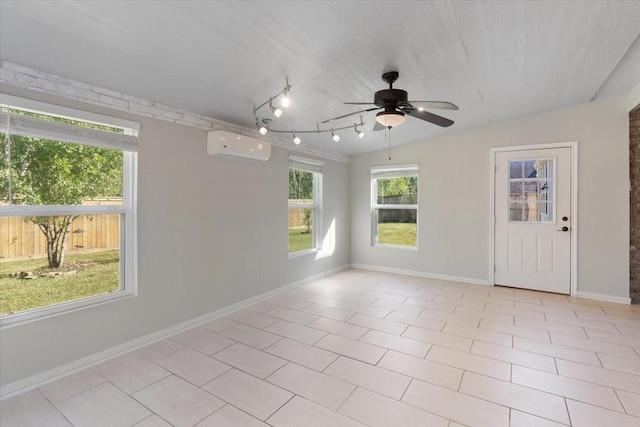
394, 193
531, 190
305, 189
67, 197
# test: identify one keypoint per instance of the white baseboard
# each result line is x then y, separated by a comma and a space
602, 297
10, 390
421, 274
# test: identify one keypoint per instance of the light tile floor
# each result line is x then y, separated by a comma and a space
363, 348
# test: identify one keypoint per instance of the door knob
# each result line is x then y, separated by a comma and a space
564, 229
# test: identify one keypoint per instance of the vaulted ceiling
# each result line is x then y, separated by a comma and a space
495, 60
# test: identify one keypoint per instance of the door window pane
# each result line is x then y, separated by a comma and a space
531, 192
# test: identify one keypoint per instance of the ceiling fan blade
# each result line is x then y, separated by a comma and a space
441, 105
350, 114
431, 118
378, 126
360, 103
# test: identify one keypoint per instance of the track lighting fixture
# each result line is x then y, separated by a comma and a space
276, 111
285, 98
263, 125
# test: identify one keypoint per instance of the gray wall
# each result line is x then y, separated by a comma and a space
211, 233
453, 219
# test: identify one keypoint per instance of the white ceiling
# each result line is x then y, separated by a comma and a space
495, 60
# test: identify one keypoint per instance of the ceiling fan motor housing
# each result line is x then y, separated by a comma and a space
391, 97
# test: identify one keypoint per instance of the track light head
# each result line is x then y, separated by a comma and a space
335, 137
285, 102
276, 111
359, 132
296, 138
264, 127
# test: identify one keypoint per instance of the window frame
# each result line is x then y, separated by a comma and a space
127, 212
391, 171
315, 167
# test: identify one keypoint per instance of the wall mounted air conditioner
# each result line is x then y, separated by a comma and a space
229, 144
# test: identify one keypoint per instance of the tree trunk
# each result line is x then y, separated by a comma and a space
56, 230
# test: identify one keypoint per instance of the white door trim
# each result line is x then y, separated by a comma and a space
573, 145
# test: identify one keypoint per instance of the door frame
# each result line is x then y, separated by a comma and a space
573, 146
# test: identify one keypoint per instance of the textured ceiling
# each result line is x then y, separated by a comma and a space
495, 60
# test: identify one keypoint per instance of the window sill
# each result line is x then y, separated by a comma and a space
302, 253
16, 319
406, 248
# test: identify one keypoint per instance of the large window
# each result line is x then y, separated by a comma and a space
394, 207
305, 190
67, 209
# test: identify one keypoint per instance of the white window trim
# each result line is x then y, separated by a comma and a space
128, 210
393, 171
315, 167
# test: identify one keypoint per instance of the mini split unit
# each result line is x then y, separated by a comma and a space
228, 144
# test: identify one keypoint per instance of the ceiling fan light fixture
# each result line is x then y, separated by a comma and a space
390, 119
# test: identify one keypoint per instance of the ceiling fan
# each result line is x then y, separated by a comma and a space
395, 105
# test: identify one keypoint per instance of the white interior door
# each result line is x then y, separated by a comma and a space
533, 219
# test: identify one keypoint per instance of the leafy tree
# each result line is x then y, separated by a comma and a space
308, 220
403, 190
300, 184
44, 172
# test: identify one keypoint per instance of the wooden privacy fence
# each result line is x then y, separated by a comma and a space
296, 216
20, 238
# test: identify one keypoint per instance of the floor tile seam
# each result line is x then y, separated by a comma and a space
131, 395
75, 394
339, 410
309, 398
616, 391
561, 358
624, 413
616, 387
54, 405
587, 349
394, 336
548, 329
374, 366
621, 371
520, 385
518, 335
577, 399
274, 412
379, 330
398, 401
189, 381
241, 370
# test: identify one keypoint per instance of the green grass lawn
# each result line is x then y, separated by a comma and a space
397, 234
299, 241
97, 273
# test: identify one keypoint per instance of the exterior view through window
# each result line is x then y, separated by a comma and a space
394, 205
66, 197
531, 190
305, 177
